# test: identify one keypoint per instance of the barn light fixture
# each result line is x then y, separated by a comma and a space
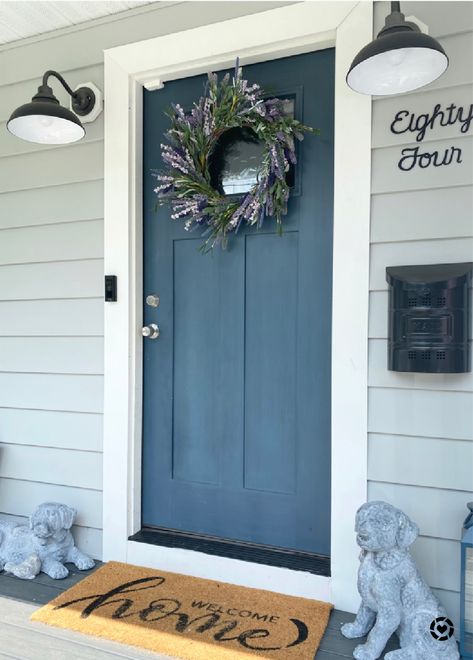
400, 59
45, 121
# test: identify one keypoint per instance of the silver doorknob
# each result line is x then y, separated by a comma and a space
150, 331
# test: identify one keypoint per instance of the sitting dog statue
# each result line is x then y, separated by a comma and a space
46, 545
395, 598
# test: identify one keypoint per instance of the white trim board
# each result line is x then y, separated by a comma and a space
280, 32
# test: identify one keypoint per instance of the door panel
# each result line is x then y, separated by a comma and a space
270, 360
236, 417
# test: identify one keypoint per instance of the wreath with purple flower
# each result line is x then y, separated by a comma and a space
187, 183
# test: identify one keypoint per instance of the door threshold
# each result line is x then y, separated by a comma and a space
256, 554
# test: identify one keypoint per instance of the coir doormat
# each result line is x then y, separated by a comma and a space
188, 617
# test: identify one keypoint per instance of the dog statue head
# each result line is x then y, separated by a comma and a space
52, 520
380, 527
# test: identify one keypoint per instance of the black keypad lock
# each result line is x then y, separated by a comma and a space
429, 318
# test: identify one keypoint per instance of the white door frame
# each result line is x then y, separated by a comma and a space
280, 32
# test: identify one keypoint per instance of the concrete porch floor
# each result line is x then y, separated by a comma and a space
20, 639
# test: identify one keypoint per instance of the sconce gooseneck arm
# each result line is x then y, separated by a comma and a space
57, 75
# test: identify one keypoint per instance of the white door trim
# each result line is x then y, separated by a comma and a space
280, 32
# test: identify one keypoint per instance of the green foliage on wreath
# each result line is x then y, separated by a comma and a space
192, 141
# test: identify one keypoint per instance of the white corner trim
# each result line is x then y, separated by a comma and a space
350, 307
280, 32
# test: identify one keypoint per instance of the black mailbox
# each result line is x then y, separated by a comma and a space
429, 318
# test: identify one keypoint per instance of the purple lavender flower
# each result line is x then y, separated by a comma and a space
237, 73
290, 156
231, 103
261, 217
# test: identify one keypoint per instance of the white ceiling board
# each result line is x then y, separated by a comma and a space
20, 19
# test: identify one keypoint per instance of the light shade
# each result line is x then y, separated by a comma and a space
399, 60
45, 121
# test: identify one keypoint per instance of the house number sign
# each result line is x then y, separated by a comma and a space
419, 124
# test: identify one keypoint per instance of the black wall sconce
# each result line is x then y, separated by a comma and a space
429, 318
400, 59
45, 121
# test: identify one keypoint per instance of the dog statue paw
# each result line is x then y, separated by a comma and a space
353, 631
26, 570
45, 545
362, 652
394, 596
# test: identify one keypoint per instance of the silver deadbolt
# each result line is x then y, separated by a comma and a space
150, 331
152, 300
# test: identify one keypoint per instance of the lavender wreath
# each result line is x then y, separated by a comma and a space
186, 182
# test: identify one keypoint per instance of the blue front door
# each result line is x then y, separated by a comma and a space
236, 418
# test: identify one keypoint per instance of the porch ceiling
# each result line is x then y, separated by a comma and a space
27, 18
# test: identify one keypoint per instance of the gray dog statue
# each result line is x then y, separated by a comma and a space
395, 597
45, 545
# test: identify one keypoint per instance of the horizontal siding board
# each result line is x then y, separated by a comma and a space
77, 317
439, 562
52, 392
378, 315
80, 469
385, 112
21, 498
419, 412
388, 177
68, 49
66, 279
443, 18
416, 252
438, 512
421, 461
77, 240
20, 92
378, 323
59, 203
402, 216
65, 430
88, 540
48, 167
380, 376
65, 355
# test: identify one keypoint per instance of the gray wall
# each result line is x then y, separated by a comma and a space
421, 426
421, 435
51, 272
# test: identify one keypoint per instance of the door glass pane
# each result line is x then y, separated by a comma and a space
237, 158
